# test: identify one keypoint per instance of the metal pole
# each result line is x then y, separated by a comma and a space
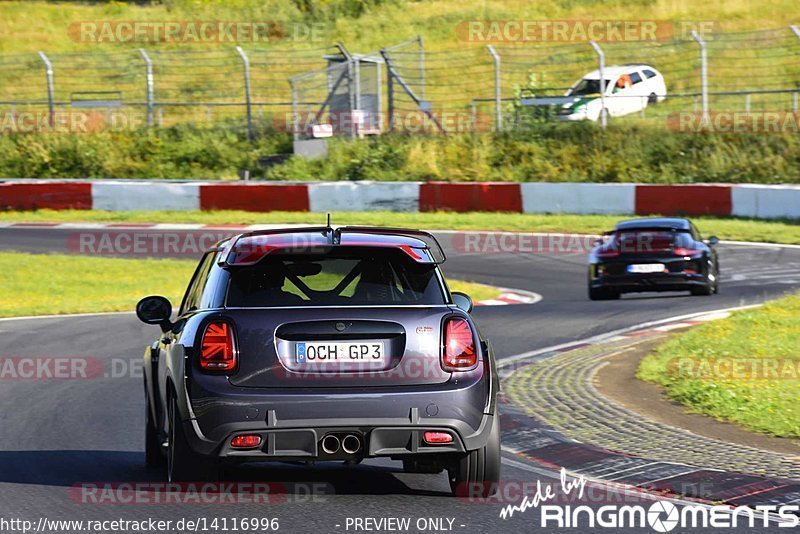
796, 31
601, 66
295, 118
389, 96
357, 99
498, 112
703, 76
149, 85
50, 90
246, 63
421, 68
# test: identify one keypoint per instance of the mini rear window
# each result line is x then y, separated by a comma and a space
345, 276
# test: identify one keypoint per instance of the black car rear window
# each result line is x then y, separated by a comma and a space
356, 276
643, 241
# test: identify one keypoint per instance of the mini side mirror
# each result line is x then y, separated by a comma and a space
462, 301
155, 310
713, 240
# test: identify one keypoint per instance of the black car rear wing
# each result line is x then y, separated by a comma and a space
647, 229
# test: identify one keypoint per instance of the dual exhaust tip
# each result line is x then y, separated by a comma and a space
349, 444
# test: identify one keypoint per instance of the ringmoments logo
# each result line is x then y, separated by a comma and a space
660, 516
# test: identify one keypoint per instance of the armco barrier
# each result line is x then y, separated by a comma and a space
757, 201
49, 195
683, 199
470, 196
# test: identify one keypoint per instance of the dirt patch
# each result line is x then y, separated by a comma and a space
617, 380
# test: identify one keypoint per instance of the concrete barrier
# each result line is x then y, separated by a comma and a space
543, 197
757, 201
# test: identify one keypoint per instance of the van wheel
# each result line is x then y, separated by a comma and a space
477, 473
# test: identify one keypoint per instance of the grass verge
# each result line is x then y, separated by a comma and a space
744, 369
777, 231
45, 284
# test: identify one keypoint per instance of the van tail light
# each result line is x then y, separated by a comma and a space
459, 352
217, 349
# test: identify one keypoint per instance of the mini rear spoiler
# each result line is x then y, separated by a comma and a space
426, 237
334, 238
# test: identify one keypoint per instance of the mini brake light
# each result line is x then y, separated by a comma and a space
217, 351
437, 438
459, 351
246, 441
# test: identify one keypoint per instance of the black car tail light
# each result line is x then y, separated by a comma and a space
682, 251
217, 349
608, 253
458, 352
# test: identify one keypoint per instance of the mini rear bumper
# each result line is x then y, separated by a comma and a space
292, 422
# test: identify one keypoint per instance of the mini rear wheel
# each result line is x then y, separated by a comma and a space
478, 472
153, 454
183, 464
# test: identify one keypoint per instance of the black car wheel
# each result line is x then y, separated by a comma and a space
602, 293
704, 290
183, 464
153, 455
478, 472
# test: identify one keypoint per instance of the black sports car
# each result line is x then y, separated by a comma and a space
320, 344
653, 254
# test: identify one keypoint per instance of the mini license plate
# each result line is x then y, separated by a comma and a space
314, 352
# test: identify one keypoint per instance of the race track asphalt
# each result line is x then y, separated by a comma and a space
59, 434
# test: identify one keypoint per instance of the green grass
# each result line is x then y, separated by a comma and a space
46, 284
770, 334
787, 231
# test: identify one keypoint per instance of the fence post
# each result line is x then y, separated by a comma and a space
149, 85
389, 96
703, 76
601, 67
48, 66
246, 64
295, 118
421, 68
796, 31
498, 112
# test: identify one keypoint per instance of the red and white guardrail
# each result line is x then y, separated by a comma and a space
744, 200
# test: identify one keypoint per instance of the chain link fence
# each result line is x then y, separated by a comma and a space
401, 88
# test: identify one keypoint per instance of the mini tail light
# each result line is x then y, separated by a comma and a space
246, 441
217, 352
686, 251
437, 438
459, 352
